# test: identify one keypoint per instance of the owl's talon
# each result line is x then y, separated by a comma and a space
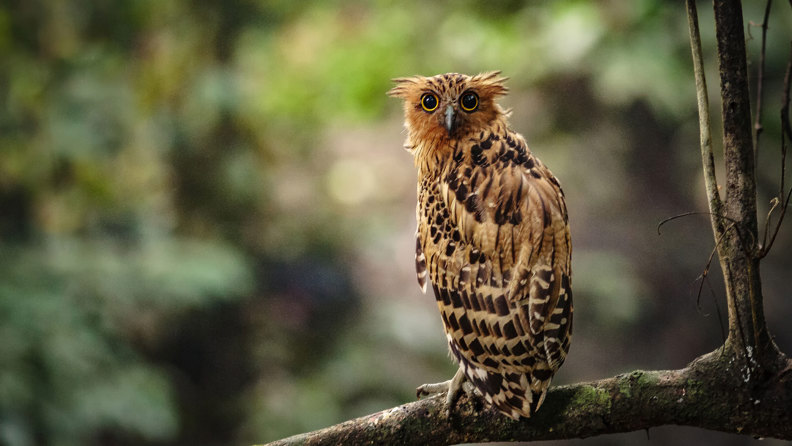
454, 386
430, 389
450, 387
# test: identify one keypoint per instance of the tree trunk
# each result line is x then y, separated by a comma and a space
738, 249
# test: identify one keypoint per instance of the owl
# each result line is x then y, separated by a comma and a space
492, 239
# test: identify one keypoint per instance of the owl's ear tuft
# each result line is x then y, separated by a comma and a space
491, 82
402, 87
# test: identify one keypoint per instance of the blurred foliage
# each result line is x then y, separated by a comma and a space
205, 213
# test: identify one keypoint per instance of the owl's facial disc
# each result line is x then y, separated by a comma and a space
450, 117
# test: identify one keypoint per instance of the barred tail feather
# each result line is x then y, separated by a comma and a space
513, 394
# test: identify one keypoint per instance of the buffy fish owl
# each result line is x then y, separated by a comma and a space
493, 240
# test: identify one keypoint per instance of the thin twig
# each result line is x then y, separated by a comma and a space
759, 83
684, 214
717, 310
688, 214
705, 276
773, 205
714, 301
705, 135
747, 248
786, 134
784, 207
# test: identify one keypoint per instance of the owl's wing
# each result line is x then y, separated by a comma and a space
515, 215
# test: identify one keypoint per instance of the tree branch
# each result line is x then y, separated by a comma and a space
705, 394
786, 127
786, 133
758, 128
705, 134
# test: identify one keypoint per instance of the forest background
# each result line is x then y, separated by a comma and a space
207, 216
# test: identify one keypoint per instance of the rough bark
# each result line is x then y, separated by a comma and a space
713, 392
739, 250
743, 387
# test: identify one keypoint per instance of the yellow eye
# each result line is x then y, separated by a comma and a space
429, 102
469, 101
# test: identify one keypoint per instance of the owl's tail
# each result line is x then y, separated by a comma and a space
513, 394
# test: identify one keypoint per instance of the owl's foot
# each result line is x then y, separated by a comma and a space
450, 387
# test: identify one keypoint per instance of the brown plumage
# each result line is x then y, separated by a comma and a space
492, 238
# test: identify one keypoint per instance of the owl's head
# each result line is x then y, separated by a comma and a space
449, 106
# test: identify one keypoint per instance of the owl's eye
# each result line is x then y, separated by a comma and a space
469, 101
429, 102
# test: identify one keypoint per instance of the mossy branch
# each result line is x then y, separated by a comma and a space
712, 393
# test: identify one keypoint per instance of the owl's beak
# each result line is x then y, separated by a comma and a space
449, 118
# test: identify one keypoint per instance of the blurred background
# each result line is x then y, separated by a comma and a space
207, 216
